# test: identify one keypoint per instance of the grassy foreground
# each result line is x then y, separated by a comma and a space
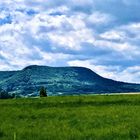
114, 117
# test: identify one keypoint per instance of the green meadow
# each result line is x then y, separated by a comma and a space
96, 117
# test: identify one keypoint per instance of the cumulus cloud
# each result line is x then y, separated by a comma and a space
130, 74
101, 36
99, 18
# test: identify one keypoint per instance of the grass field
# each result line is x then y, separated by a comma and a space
71, 118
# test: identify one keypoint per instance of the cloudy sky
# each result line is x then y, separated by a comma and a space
103, 35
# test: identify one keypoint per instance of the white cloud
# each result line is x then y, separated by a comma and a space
133, 29
123, 33
3, 14
99, 18
105, 71
123, 38
114, 35
64, 32
67, 32
131, 74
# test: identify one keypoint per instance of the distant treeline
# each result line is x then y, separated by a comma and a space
5, 95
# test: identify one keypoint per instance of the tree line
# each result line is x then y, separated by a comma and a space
5, 95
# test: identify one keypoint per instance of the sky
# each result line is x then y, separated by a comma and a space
103, 35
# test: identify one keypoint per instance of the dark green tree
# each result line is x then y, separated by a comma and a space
5, 95
43, 92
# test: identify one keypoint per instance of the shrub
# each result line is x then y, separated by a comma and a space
5, 95
43, 92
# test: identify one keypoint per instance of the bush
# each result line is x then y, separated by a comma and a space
43, 92
5, 95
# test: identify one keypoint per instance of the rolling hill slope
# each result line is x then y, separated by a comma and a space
60, 80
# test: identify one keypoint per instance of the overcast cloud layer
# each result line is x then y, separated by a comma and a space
101, 35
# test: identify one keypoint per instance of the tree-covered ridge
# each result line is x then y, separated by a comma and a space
60, 81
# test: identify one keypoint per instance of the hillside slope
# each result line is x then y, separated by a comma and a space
60, 80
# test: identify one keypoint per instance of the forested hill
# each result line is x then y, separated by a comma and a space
60, 81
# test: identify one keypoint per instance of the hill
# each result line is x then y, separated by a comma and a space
60, 81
